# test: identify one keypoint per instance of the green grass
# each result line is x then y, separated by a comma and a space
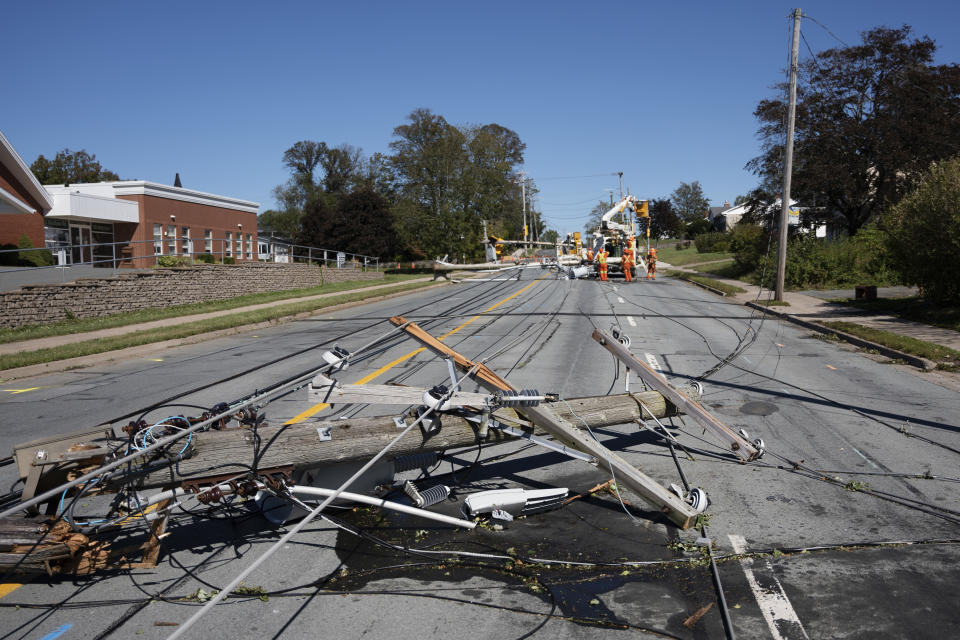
774, 303
680, 257
82, 325
945, 357
148, 336
914, 308
728, 289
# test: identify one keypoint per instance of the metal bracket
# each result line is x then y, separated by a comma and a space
400, 422
324, 434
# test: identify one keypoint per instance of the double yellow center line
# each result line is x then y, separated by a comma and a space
300, 417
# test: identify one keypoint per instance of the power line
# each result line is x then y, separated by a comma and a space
823, 26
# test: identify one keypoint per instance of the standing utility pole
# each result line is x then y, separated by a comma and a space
620, 174
523, 195
788, 159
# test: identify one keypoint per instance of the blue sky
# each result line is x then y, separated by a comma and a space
218, 90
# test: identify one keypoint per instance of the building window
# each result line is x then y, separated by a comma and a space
239, 244
208, 240
104, 251
249, 246
228, 245
185, 240
157, 239
172, 239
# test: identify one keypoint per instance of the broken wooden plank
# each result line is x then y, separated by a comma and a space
739, 445
681, 513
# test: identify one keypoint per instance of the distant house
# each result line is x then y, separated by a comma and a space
23, 200
275, 249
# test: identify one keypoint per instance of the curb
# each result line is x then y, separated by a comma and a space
917, 361
704, 286
80, 362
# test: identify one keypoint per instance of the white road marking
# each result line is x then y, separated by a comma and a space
632, 322
857, 451
616, 288
652, 361
774, 604
620, 300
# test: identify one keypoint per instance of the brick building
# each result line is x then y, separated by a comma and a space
130, 221
152, 219
23, 201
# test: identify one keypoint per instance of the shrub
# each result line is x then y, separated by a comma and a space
748, 242
924, 233
10, 259
697, 227
712, 242
171, 261
33, 257
206, 258
229, 260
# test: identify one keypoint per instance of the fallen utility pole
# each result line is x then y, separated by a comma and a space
309, 445
678, 511
739, 445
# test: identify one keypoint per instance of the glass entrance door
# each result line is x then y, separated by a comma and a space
80, 235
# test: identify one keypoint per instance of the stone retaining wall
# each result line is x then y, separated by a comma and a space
93, 297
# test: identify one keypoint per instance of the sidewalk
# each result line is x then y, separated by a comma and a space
811, 308
56, 341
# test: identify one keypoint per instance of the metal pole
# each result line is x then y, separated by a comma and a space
620, 174
788, 160
113, 250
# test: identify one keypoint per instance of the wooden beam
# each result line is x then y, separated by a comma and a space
669, 503
654, 380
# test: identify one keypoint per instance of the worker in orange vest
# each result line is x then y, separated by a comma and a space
602, 260
652, 264
589, 255
626, 261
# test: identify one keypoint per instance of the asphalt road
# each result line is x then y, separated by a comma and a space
836, 562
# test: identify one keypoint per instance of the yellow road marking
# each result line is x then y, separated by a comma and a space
155, 359
14, 392
317, 408
8, 588
137, 516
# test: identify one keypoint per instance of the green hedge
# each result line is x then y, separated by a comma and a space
712, 242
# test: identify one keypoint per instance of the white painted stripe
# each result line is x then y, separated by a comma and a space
872, 464
620, 300
616, 288
774, 604
652, 361
632, 322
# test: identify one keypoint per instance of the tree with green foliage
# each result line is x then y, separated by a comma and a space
870, 119
362, 222
71, 167
449, 179
924, 233
689, 202
664, 221
281, 223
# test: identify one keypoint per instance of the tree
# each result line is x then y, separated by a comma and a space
283, 223
550, 235
593, 218
342, 167
870, 118
70, 167
316, 225
664, 221
924, 233
363, 223
689, 202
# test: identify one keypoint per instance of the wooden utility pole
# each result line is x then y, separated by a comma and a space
788, 159
678, 511
523, 195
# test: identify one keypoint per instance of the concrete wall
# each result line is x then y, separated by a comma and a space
93, 297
